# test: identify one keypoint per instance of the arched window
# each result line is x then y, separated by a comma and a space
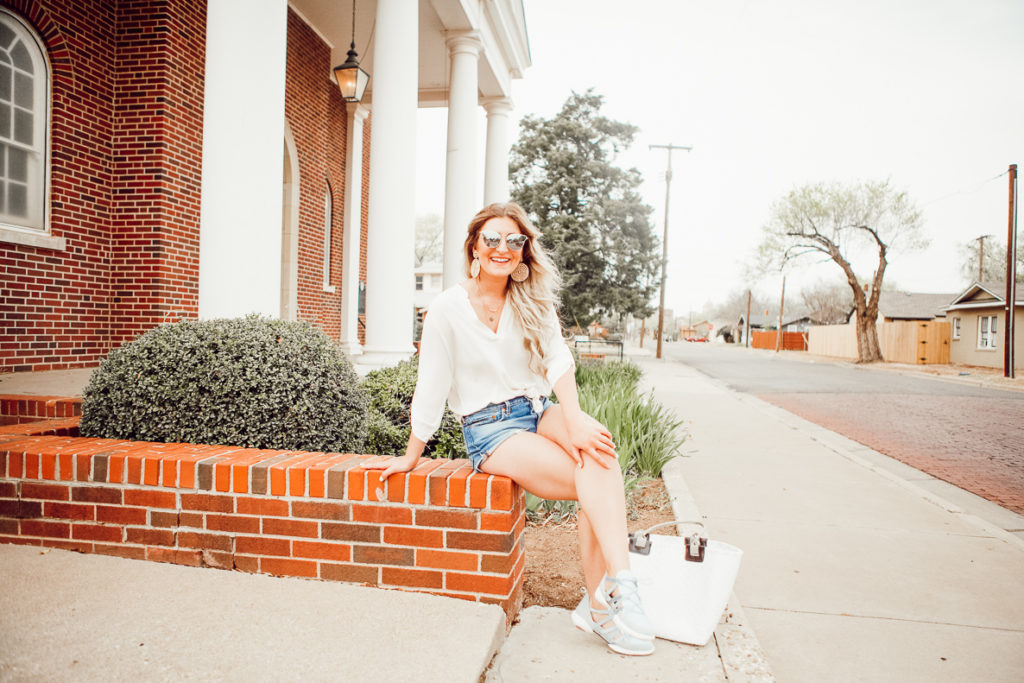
328, 216
24, 127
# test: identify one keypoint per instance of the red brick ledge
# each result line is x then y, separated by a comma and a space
440, 529
18, 408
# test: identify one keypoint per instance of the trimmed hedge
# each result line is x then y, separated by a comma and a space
391, 391
252, 382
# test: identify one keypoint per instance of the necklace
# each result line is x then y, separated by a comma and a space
493, 311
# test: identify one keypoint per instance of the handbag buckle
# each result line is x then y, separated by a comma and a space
695, 547
640, 543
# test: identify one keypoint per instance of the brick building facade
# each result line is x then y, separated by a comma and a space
128, 186
125, 169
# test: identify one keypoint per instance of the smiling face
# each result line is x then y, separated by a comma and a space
497, 261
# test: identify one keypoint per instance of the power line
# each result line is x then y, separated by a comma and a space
975, 188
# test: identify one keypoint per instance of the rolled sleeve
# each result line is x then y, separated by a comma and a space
434, 379
558, 359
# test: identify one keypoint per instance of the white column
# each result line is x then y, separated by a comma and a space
352, 231
460, 202
391, 210
496, 160
243, 124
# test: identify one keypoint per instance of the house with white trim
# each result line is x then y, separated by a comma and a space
977, 320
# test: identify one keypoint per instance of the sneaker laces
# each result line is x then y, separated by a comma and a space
624, 593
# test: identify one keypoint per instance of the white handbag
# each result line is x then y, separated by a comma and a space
684, 582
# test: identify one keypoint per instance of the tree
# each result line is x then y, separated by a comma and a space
844, 223
827, 304
595, 225
428, 239
994, 263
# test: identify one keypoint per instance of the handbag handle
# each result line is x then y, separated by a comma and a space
696, 545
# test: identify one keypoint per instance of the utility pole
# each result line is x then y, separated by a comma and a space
981, 256
782, 302
1011, 277
746, 323
664, 241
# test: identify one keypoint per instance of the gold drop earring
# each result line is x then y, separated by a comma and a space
521, 272
474, 267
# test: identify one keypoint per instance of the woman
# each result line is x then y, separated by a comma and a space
492, 348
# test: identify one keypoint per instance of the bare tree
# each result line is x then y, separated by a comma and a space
840, 222
992, 268
428, 238
827, 304
734, 308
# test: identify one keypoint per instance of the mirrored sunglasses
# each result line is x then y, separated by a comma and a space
492, 240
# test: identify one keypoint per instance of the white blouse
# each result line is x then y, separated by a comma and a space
464, 362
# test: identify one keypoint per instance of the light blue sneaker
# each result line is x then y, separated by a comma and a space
620, 594
604, 625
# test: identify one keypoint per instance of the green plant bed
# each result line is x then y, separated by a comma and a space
251, 382
390, 390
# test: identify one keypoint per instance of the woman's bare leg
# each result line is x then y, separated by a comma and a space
541, 465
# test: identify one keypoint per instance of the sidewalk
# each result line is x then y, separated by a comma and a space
853, 569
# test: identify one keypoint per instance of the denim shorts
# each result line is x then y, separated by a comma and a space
488, 427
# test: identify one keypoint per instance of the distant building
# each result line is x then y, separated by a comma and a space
893, 306
427, 284
698, 330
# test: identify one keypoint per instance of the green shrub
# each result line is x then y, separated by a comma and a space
646, 434
250, 382
390, 390
610, 375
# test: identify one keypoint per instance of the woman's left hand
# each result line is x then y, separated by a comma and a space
592, 439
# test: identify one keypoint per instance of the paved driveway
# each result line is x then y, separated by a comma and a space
968, 435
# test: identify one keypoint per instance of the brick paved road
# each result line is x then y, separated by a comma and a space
970, 436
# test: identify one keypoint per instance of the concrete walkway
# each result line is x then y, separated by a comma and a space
71, 617
856, 567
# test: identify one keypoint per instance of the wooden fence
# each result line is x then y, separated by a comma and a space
919, 342
791, 341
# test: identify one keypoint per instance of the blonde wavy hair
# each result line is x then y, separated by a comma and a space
534, 299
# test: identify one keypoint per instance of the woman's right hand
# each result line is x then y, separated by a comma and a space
389, 466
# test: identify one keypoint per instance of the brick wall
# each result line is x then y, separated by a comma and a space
126, 125
364, 224
54, 305
316, 115
16, 409
157, 165
441, 528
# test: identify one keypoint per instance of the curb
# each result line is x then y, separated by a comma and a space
742, 657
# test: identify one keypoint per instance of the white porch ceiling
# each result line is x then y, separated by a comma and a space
501, 24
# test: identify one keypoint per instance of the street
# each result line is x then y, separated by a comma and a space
967, 435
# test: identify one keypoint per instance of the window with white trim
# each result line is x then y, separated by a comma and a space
987, 331
24, 126
419, 283
328, 211
956, 328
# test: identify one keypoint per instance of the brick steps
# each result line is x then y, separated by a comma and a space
18, 408
441, 528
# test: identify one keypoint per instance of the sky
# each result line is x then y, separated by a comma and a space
776, 94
